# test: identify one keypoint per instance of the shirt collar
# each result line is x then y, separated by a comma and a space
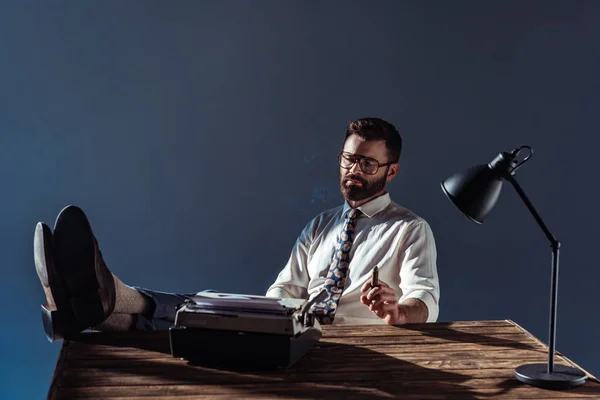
371, 207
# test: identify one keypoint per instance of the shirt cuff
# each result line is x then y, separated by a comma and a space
433, 308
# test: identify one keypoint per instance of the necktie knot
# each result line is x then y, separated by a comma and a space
353, 213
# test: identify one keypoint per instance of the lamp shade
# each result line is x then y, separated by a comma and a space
474, 191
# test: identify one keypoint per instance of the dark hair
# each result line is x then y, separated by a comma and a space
378, 129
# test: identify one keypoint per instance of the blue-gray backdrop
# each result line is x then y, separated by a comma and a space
200, 137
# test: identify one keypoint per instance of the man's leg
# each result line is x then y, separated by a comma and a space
138, 308
81, 291
141, 309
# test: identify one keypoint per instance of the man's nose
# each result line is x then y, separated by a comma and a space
355, 169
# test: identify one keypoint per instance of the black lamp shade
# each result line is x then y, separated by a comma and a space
474, 191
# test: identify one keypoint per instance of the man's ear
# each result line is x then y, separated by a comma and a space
392, 171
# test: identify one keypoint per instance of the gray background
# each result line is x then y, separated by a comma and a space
200, 137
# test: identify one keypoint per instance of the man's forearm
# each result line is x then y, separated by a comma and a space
413, 311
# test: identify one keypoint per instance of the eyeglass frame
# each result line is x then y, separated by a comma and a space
358, 158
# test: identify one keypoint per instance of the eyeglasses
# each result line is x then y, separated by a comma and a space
368, 165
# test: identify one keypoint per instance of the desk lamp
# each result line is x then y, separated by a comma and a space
474, 191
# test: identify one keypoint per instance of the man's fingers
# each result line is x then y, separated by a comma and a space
381, 300
383, 284
378, 291
364, 300
383, 307
367, 285
373, 293
378, 313
379, 303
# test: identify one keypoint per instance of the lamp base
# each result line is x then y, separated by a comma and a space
563, 377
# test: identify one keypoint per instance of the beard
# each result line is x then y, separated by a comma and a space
367, 188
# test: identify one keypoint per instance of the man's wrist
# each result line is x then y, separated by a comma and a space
402, 316
412, 310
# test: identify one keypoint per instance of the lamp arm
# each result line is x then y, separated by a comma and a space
554, 280
538, 219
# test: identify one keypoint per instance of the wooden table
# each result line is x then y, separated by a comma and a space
459, 360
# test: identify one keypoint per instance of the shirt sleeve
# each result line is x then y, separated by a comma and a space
293, 279
418, 269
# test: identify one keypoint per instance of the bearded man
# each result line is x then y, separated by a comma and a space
336, 251
339, 248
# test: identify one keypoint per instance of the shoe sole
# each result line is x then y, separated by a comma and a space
75, 262
42, 251
57, 323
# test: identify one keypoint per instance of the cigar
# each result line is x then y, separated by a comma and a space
375, 277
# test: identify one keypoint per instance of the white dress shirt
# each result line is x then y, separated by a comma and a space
388, 235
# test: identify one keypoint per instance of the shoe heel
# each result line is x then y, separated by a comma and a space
54, 322
59, 324
87, 308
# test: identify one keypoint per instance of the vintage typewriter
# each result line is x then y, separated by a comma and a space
236, 330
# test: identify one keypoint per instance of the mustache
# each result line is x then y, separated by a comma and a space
356, 178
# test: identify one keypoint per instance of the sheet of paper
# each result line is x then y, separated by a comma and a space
241, 302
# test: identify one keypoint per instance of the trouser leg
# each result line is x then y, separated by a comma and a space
166, 305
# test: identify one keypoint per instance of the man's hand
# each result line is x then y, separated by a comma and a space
382, 301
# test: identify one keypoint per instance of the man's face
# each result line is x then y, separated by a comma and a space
355, 184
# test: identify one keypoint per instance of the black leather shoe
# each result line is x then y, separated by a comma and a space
89, 285
57, 317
